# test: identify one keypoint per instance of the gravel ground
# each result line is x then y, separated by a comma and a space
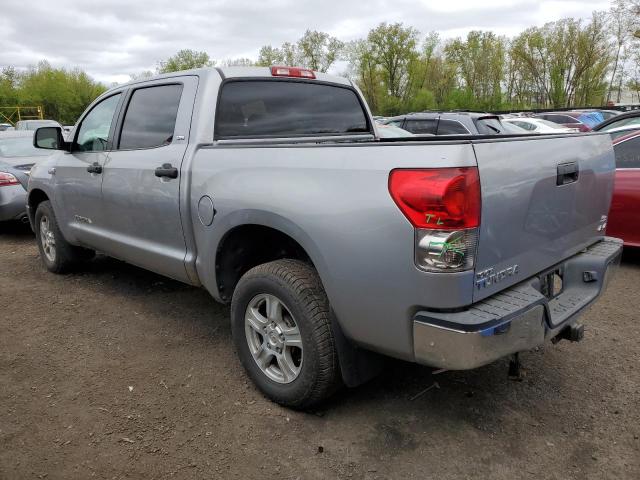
115, 372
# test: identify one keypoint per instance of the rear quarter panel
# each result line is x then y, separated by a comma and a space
334, 201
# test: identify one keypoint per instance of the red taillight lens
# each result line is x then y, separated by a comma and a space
7, 179
438, 198
295, 72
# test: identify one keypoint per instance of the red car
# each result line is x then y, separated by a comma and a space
624, 215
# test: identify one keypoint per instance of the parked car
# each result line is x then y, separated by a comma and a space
538, 125
605, 114
332, 245
449, 123
6, 126
627, 120
391, 131
17, 156
35, 124
578, 120
624, 216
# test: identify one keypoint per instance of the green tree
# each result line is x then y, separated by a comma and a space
185, 60
318, 50
565, 63
394, 49
269, 56
64, 94
480, 63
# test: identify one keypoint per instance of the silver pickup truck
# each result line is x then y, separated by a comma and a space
271, 188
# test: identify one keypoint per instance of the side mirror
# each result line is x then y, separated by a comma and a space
49, 138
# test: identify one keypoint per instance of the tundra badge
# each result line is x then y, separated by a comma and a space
488, 277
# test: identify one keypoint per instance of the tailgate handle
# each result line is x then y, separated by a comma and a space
567, 173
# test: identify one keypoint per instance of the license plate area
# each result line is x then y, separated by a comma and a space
551, 283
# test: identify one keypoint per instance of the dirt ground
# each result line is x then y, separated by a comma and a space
119, 373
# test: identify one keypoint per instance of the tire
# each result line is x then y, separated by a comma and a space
297, 377
58, 255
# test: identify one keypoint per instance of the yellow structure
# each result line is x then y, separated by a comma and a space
15, 114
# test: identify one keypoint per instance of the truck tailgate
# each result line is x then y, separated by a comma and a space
543, 200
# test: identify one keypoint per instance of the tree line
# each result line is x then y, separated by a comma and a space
63, 94
561, 64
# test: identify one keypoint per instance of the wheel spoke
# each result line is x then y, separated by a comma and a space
292, 337
287, 367
263, 357
274, 309
255, 320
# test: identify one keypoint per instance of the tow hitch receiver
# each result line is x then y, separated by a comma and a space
573, 333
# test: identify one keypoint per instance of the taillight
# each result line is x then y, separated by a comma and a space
295, 72
443, 204
438, 198
7, 179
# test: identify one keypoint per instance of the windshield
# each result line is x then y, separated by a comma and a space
20, 147
622, 123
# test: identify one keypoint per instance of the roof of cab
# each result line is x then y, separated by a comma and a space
234, 72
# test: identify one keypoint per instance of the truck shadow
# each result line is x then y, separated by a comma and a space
396, 410
15, 230
631, 256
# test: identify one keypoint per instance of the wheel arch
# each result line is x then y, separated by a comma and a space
356, 365
35, 197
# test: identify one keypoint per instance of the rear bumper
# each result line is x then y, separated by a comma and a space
516, 319
13, 201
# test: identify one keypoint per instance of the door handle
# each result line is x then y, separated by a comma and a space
166, 170
567, 173
95, 167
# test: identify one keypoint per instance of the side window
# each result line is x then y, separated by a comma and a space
449, 127
421, 126
628, 153
396, 123
151, 117
94, 129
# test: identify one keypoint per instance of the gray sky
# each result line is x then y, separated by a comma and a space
111, 39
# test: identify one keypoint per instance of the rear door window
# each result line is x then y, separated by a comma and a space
151, 117
628, 153
266, 108
428, 125
451, 127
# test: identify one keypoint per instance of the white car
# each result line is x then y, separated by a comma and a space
538, 125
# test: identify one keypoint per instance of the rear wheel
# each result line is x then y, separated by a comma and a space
58, 255
281, 326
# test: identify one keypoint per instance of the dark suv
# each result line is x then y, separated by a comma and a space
449, 123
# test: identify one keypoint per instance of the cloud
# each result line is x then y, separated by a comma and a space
111, 39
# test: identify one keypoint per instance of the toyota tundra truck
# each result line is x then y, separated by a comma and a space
271, 189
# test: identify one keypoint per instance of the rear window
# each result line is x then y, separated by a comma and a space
451, 127
263, 108
421, 126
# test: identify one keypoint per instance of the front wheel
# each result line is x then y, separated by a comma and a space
58, 255
281, 327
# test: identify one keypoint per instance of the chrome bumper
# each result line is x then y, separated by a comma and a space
516, 319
